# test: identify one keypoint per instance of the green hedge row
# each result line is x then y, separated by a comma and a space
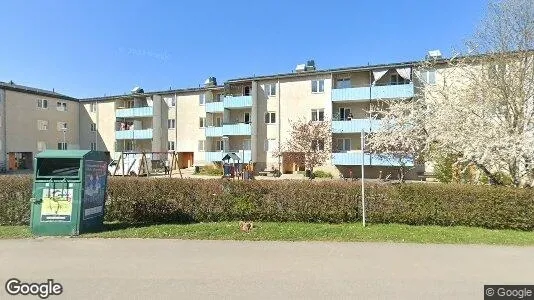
140, 200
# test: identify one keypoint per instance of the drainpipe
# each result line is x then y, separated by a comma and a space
175, 121
97, 127
279, 127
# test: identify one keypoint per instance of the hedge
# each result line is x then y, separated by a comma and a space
142, 200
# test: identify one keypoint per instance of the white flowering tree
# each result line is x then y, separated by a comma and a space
309, 141
481, 107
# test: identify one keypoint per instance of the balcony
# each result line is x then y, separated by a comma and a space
354, 158
237, 101
147, 111
355, 126
214, 107
361, 94
216, 156
142, 134
237, 129
214, 131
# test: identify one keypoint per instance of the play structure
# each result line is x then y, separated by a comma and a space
234, 168
145, 164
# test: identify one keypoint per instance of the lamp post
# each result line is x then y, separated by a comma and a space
363, 176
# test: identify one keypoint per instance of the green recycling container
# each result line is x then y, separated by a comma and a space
69, 190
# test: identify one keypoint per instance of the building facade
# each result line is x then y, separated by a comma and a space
246, 116
32, 120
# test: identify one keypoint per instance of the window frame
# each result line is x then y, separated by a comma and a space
319, 143
202, 122
93, 127
269, 117
426, 76
171, 122
93, 107
316, 112
62, 146
44, 123
316, 83
41, 103
343, 79
201, 99
219, 145
343, 143
203, 143
91, 146
268, 87
169, 148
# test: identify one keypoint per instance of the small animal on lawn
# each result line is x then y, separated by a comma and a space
246, 226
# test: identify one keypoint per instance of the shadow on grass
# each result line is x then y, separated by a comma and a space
116, 226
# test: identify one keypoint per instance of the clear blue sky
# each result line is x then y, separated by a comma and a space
97, 47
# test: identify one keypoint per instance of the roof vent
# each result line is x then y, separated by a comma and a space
211, 81
310, 66
300, 68
435, 54
137, 90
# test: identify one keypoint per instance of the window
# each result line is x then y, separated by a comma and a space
317, 86
129, 103
202, 122
129, 146
218, 122
42, 103
201, 145
428, 76
246, 91
246, 117
93, 146
170, 145
343, 83
317, 145
270, 145
343, 144
42, 125
219, 145
61, 106
270, 89
270, 118
344, 114
247, 145
397, 79
201, 99
171, 123
41, 146
62, 146
93, 127
171, 101
93, 107
62, 126
317, 114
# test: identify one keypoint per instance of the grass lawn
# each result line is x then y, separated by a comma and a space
306, 232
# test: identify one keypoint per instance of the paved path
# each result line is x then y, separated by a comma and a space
174, 269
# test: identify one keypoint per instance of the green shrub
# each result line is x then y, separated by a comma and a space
322, 174
148, 200
210, 171
443, 168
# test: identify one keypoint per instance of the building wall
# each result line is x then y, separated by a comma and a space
3, 154
22, 132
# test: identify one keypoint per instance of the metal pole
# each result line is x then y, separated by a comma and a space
363, 176
64, 140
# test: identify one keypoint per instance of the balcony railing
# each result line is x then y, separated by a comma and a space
146, 111
217, 156
354, 158
213, 107
214, 131
355, 126
237, 129
373, 92
237, 101
141, 134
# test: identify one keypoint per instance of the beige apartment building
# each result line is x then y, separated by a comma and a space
32, 120
245, 116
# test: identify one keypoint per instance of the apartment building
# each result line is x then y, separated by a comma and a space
249, 117
32, 120
135, 122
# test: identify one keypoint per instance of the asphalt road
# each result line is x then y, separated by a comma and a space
175, 269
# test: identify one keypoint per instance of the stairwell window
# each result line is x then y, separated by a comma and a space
93, 127
62, 146
317, 145
202, 122
317, 86
270, 118
270, 89
171, 123
170, 145
428, 76
201, 99
317, 115
93, 146
219, 145
93, 107
201, 146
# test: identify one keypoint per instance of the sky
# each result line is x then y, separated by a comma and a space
101, 47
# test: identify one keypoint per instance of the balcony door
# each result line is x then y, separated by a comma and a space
247, 117
343, 113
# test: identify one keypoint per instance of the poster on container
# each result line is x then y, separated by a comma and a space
94, 188
56, 205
